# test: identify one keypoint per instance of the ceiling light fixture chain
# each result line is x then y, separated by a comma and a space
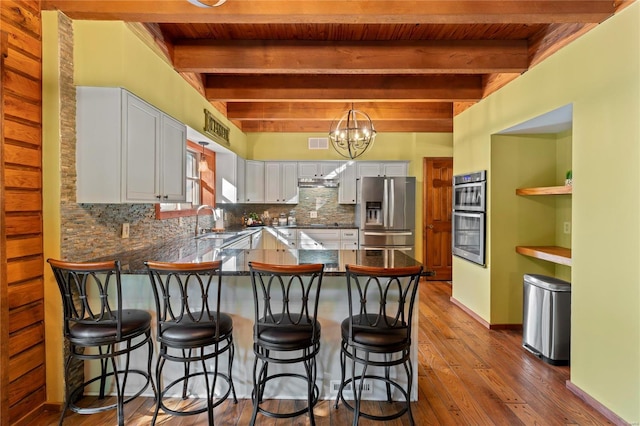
352, 134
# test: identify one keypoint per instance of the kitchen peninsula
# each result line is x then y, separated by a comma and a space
237, 298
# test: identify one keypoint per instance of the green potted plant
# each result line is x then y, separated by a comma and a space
568, 178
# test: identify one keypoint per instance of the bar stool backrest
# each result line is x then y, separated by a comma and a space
381, 298
186, 293
91, 294
286, 295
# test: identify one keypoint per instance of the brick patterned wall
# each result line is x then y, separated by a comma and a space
322, 200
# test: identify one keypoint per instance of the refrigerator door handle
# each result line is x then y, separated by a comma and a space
392, 202
385, 204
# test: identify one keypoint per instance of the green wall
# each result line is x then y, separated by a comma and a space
111, 54
599, 75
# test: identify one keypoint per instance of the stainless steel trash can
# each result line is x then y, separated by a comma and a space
546, 322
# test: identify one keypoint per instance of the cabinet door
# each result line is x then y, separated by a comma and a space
369, 169
240, 180
254, 182
395, 169
281, 182
307, 170
272, 182
347, 188
226, 178
320, 169
173, 154
141, 151
329, 169
289, 185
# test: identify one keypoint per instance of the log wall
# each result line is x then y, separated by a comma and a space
22, 351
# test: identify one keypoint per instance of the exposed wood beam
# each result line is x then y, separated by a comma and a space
426, 125
350, 57
340, 12
305, 111
346, 87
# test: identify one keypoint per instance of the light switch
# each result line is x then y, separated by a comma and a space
125, 230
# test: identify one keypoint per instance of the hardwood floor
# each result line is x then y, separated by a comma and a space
467, 375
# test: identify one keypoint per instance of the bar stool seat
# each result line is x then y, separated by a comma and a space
379, 336
192, 333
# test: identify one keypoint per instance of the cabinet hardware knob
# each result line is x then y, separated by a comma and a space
158, 197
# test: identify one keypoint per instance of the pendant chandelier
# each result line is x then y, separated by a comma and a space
205, 3
352, 134
203, 166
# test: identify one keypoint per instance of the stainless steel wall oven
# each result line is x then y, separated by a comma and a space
469, 216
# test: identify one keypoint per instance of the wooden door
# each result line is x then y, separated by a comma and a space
438, 185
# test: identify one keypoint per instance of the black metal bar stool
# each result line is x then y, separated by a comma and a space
377, 333
191, 329
286, 330
97, 328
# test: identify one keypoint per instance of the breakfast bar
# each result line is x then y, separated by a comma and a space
237, 301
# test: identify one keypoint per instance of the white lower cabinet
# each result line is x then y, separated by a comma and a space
279, 238
349, 239
327, 239
127, 151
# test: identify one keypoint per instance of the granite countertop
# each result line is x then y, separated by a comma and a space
235, 261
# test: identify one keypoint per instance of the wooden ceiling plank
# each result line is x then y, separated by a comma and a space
417, 126
340, 12
260, 111
277, 88
349, 57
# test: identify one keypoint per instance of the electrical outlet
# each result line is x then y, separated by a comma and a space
125, 230
313, 214
567, 227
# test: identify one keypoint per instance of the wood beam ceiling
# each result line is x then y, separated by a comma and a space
243, 88
301, 62
351, 57
341, 12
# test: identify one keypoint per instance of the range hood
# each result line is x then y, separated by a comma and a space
317, 183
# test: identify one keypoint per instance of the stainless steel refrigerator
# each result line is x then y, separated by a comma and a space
385, 213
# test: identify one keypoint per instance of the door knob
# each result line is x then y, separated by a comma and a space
430, 226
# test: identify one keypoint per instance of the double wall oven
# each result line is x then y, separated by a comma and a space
468, 219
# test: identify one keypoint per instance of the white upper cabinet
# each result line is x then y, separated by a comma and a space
386, 168
281, 182
254, 182
347, 187
127, 151
318, 170
230, 179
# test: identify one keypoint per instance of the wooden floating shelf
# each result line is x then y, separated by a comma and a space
545, 190
553, 254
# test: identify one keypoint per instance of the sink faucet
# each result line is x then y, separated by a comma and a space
202, 207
